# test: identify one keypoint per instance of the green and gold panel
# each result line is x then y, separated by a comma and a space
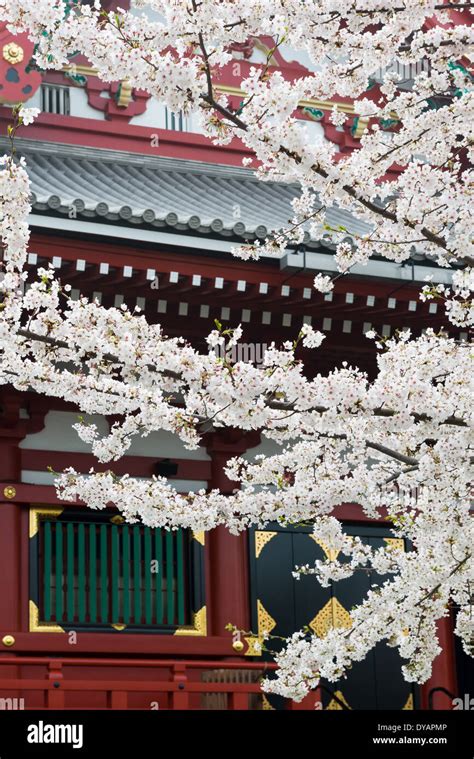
282, 604
96, 572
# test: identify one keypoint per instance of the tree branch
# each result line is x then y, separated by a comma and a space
270, 402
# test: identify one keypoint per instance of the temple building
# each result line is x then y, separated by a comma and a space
133, 205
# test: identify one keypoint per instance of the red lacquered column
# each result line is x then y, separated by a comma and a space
227, 554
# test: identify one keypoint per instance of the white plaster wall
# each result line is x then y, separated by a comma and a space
155, 117
78, 104
266, 447
80, 107
58, 435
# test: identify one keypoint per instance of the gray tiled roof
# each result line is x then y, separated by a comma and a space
173, 193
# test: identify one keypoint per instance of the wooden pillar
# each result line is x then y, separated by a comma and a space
10, 459
229, 580
444, 669
228, 554
13, 605
10, 595
10, 567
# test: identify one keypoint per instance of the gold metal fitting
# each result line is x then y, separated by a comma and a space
124, 94
117, 519
238, 645
8, 640
13, 53
9, 491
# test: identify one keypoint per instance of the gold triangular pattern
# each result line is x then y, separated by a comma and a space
409, 703
395, 544
254, 645
333, 614
266, 705
331, 553
266, 623
261, 540
199, 626
38, 513
37, 626
333, 704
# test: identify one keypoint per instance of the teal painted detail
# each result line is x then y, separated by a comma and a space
314, 113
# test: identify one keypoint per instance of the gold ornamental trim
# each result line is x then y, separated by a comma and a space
199, 626
37, 626
261, 540
266, 51
13, 53
395, 544
9, 492
117, 519
409, 705
77, 68
254, 645
332, 615
8, 641
124, 95
323, 105
265, 624
333, 704
200, 536
331, 553
41, 512
362, 125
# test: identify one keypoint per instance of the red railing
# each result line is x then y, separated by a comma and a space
180, 688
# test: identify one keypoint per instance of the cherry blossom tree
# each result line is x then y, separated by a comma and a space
400, 445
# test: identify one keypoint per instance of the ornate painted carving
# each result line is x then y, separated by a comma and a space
242, 49
122, 102
18, 82
13, 53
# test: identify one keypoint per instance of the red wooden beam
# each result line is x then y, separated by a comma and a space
122, 662
74, 130
58, 644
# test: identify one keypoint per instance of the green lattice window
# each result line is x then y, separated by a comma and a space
95, 571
